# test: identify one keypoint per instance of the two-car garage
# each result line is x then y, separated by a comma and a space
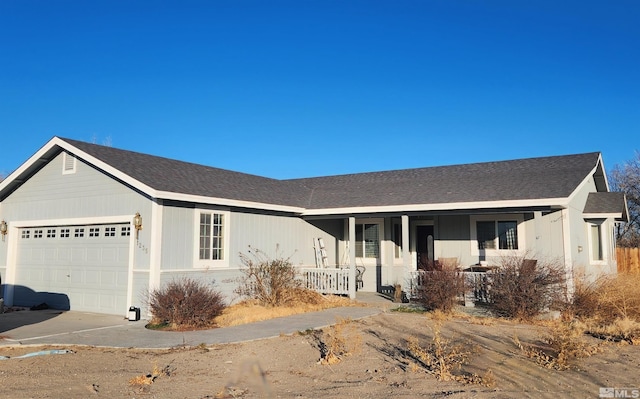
77, 267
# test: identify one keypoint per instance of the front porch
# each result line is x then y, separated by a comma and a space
376, 253
336, 281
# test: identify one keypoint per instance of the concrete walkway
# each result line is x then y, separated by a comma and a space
52, 327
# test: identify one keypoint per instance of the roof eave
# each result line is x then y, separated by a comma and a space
557, 203
618, 216
199, 199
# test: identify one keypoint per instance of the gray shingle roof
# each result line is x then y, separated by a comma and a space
533, 178
606, 203
174, 176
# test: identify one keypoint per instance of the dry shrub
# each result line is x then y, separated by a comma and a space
608, 298
564, 344
620, 330
270, 282
147, 379
440, 289
610, 306
523, 288
185, 303
445, 359
340, 340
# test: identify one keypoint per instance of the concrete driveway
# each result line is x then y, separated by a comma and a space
34, 327
54, 327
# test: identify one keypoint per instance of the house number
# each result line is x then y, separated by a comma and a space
143, 247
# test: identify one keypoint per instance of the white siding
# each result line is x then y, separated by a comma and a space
49, 194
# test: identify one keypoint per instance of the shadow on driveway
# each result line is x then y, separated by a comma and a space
13, 320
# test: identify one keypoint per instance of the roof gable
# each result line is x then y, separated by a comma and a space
173, 176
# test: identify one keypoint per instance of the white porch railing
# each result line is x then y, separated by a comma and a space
326, 281
477, 285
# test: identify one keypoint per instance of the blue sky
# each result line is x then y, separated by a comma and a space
305, 88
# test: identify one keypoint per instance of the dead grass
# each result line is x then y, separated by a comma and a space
251, 311
562, 345
338, 341
609, 307
144, 380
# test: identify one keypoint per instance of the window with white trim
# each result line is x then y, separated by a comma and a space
397, 240
497, 234
51, 233
37, 233
125, 231
94, 231
212, 229
596, 250
79, 232
64, 233
109, 231
367, 240
26, 234
493, 234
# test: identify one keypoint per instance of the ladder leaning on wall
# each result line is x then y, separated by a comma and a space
322, 261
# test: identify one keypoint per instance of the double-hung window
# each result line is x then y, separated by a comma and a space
367, 240
212, 231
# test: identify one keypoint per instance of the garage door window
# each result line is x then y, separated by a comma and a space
79, 233
64, 233
51, 233
26, 234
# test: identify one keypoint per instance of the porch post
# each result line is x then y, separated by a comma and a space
406, 255
352, 257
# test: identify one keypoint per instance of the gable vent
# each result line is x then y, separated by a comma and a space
68, 164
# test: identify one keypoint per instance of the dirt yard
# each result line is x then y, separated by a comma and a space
379, 366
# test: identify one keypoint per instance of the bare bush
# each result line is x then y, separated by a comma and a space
270, 282
185, 303
445, 359
440, 289
524, 288
340, 340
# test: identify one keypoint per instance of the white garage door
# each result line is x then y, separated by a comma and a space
74, 267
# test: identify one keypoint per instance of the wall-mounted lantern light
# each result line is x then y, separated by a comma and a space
137, 223
3, 229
